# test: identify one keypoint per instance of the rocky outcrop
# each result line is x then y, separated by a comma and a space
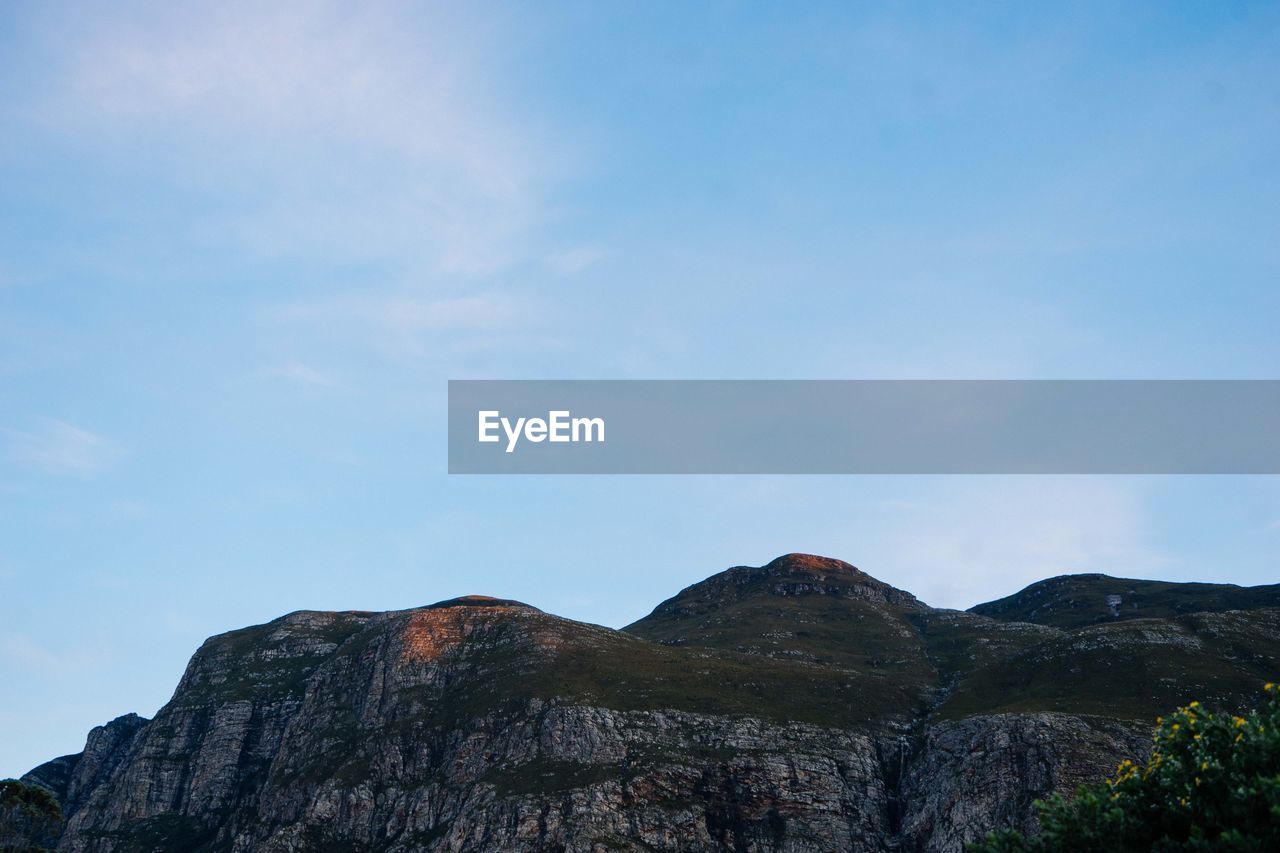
579, 778
72, 778
806, 707
282, 738
969, 776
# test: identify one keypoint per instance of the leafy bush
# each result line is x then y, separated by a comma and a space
29, 817
1212, 784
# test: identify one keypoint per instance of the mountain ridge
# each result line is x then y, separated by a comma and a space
802, 704
1083, 599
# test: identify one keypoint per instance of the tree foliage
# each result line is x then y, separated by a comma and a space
30, 817
1212, 783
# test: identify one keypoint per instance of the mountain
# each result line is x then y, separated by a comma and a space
800, 705
1074, 601
71, 778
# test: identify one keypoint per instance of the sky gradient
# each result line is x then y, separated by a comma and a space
242, 250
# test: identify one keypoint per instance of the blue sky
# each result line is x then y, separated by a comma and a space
242, 250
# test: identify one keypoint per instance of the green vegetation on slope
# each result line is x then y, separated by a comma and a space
800, 612
1052, 647
270, 661
873, 643
1129, 669
1074, 601
545, 657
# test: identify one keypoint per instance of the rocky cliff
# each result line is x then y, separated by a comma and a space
802, 705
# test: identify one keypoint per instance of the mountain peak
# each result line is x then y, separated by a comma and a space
479, 601
811, 564
801, 574
793, 577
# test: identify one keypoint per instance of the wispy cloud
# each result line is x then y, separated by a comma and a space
300, 373
61, 448
130, 508
366, 130
26, 652
573, 261
406, 324
976, 538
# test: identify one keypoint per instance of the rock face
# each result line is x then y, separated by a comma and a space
72, 778
802, 705
970, 775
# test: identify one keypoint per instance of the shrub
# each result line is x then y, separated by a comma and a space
1212, 783
29, 817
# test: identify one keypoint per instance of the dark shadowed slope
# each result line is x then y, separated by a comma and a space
1055, 646
1074, 601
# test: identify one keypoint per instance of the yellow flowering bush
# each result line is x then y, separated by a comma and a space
1212, 783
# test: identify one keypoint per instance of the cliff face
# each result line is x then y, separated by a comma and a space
72, 778
798, 706
969, 776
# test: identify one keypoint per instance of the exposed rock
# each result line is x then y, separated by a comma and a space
808, 707
72, 778
970, 775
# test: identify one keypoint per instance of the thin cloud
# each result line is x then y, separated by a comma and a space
26, 652
300, 373
130, 508
573, 261
60, 448
406, 324
367, 131
982, 538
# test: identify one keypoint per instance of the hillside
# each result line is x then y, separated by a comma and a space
798, 705
1074, 601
